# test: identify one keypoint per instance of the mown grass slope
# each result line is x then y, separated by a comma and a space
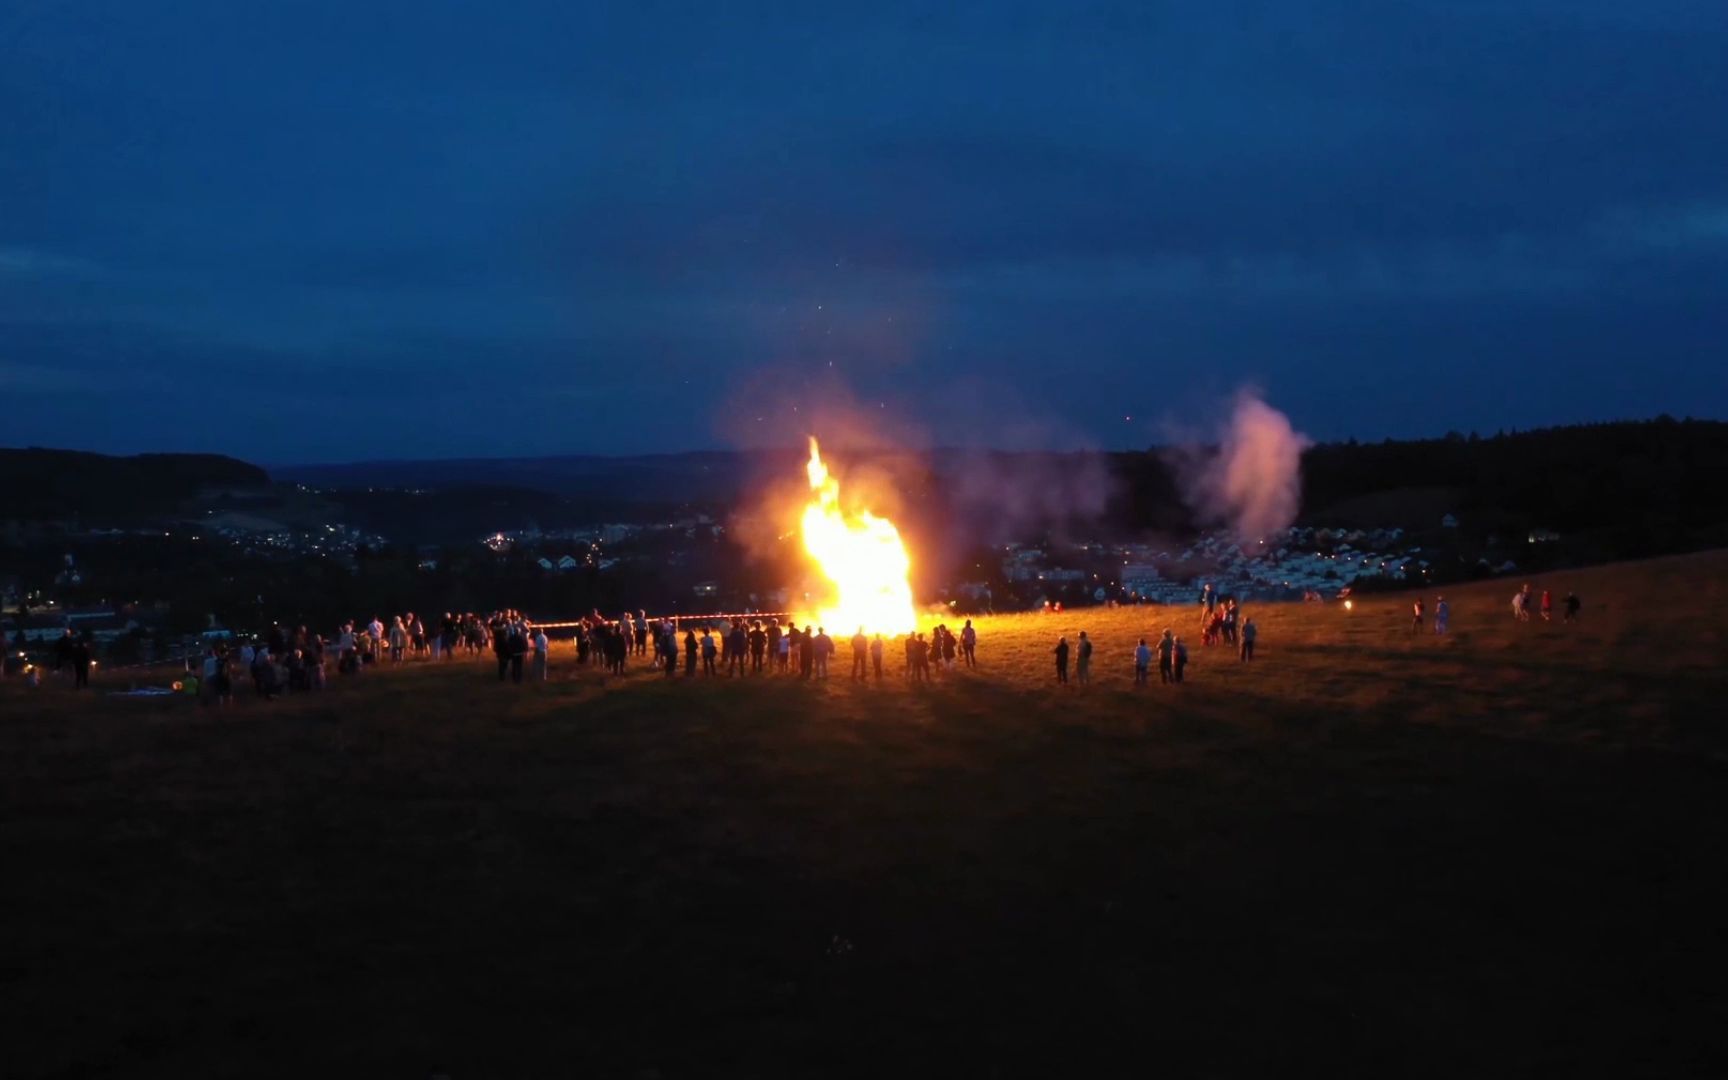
1370, 851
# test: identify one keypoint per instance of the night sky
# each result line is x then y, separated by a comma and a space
320, 231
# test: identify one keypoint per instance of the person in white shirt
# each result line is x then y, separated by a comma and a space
538, 672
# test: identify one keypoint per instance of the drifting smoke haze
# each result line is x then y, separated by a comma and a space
1010, 496
1251, 479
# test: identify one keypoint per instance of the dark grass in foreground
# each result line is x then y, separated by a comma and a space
1497, 853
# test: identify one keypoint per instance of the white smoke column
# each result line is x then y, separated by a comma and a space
1255, 481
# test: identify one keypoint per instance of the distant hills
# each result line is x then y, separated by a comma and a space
1626, 489
700, 476
60, 485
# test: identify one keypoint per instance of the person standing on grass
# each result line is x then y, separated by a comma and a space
1547, 606
669, 647
1442, 614
876, 647
737, 643
263, 674
709, 649
540, 647
969, 644
315, 649
860, 655
79, 655
1083, 659
1142, 662
920, 658
1061, 651
1572, 605
1249, 633
1166, 656
398, 639
642, 633
758, 646
518, 635
1416, 616
806, 653
212, 663
824, 650
690, 649
63, 652
223, 686
1180, 657
501, 649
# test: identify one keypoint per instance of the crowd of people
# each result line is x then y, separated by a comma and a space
298, 660
1221, 623
760, 645
1524, 600
294, 660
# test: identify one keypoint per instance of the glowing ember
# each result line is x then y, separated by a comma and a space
861, 554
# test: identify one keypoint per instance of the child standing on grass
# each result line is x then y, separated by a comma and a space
1442, 614
1166, 656
1249, 633
1142, 661
1061, 651
1180, 652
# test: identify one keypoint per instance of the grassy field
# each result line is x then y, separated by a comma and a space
1369, 853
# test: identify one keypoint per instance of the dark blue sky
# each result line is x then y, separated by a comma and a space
347, 229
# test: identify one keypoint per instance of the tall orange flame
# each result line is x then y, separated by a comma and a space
862, 557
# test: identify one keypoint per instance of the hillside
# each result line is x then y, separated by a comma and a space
61, 485
1367, 853
1614, 490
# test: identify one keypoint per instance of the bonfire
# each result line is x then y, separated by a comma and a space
861, 556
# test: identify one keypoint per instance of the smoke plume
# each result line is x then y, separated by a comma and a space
1251, 480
